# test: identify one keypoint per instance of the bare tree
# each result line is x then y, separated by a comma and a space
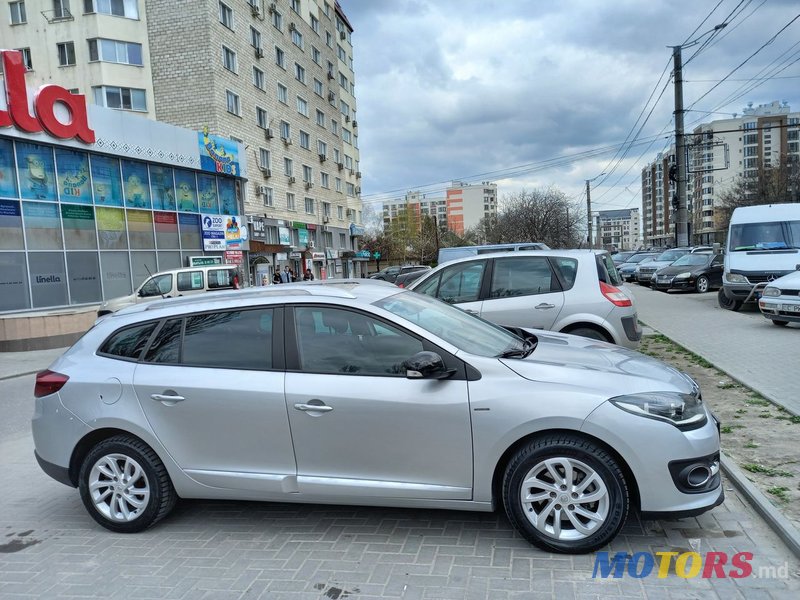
540, 215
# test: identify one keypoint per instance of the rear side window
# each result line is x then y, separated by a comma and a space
461, 283
607, 271
220, 278
568, 269
166, 348
129, 342
190, 280
240, 339
522, 276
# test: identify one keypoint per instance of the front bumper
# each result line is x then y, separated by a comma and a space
780, 308
738, 291
671, 283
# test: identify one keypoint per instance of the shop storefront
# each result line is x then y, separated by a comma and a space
92, 200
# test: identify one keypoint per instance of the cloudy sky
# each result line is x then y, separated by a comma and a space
534, 93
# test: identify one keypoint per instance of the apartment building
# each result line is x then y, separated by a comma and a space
277, 77
418, 204
719, 153
617, 229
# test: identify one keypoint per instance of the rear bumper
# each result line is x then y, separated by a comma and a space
633, 331
59, 473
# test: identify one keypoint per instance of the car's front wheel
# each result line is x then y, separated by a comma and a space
702, 284
728, 303
125, 486
563, 493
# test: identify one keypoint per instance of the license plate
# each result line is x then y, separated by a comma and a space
791, 308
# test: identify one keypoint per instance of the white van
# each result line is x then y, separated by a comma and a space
763, 245
448, 254
177, 282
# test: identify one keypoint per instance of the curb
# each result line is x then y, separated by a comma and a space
779, 524
4, 377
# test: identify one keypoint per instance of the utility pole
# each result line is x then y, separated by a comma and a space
682, 213
589, 212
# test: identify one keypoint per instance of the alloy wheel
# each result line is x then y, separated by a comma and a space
119, 488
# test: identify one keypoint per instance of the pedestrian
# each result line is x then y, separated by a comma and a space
286, 275
308, 275
292, 276
276, 278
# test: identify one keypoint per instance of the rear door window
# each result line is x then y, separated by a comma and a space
522, 276
462, 282
157, 286
236, 339
220, 278
189, 281
129, 342
166, 347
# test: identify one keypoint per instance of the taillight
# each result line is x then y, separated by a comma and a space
401, 284
615, 295
48, 382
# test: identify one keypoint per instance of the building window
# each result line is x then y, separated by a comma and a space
310, 206
297, 38
66, 54
328, 39
124, 53
286, 130
299, 73
308, 174
302, 106
322, 148
346, 135
342, 241
277, 20
255, 37
320, 118
326, 209
258, 78
18, 15
295, 5
340, 212
325, 180
287, 166
264, 161
118, 8
343, 81
337, 156
348, 162
229, 59
261, 117
268, 197
283, 93
318, 89
290, 204
334, 127
226, 15
351, 189
315, 24
120, 98
280, 58
315, 55
305, 140
345, 108
341, 53
338, 184
232, 103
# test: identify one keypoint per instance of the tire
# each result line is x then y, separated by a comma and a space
728, 303
124, 457
590, 333
547, 461
780, 323
702, 285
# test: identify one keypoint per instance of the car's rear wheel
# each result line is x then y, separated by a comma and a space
563, 493
702, 284
780, 323
592, 334
124, 485
728, 303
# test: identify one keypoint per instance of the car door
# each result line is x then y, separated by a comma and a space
523, 292
360, 427
459, 284
716, 269
211, 387
190, 282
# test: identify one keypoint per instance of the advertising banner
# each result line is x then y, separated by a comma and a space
233, 232
213, 227
218, 154
303, 236
186, 190
227, 196
207, 194
284, 236
162, 187
73, 176
8, 176
234, 257
106, 181
137, 190
36, 171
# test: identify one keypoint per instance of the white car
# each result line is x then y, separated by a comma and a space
571, 291
780, 300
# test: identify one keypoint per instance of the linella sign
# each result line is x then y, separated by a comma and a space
17, 113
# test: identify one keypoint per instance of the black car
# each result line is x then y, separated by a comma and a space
390, 273
698, 271
406, 278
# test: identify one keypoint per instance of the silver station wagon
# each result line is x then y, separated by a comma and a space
359, 392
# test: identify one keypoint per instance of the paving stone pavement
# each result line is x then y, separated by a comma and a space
50, 548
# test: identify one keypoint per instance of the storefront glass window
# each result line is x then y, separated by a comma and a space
185, 190
115, 269
13, 281
8, 174
166, 230
48, 279
79, 229
106, 181
84, 277
227, 196
140, 229
37, 177
10, 226
169, 260
136, 184
162, 187
191, 238
43, 226
207, 192
144, 265
73, 176
111, 228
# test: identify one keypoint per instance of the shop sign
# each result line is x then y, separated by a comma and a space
295, 255
204, 261
218, 154
302, 235
258, 228
17, 112
363, 254
317, 256
284, 237
330, 253
233, 233
234, 257
357, 230
213, 227
298, 225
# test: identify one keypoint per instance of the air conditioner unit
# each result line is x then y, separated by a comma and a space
355, 123
358, 190
268, 133
266, 172
322, 158
352, 172
259, 52
263, 190
342, 35
347, 118
330, 75
292, 179
309, 185
358, 174
292, 26
287, 141
273, 7
331, 95
255, 9
340, 166
326, 219
310, 244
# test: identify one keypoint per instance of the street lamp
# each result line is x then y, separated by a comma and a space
589, 208
681, 215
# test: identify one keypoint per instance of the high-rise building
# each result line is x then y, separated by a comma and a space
276, 76
419, 205
618, 229
467, 204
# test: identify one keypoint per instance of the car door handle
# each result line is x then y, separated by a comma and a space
313, 407
472, 312
544, 306
167, 397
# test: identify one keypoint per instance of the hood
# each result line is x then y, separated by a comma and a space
674, 270
658, 264
788, 282
115, 304
598, 366
762, 260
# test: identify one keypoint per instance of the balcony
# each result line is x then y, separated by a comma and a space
58, 15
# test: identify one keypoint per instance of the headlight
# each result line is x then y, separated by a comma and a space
683, 275
771, 291
684, 411
735, 278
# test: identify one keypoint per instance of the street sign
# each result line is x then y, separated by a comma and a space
376, 255
204, 261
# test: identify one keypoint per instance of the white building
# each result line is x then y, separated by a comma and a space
617, 229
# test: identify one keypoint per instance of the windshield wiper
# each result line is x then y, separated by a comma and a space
528, 346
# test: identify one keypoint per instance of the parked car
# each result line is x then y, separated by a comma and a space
390, 273
405, 279
699, 271
358, 392
621, 257
456, 252
645, 272
572, 291
780, 301
177, 282
627, 270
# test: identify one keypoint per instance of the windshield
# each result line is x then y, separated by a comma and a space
776, 235
465, 332
671, 255
637, 258
692, 260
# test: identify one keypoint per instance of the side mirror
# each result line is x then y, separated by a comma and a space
426, 365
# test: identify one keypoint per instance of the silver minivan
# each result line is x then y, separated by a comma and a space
571, 291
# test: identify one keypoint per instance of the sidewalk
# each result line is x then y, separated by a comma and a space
14, 364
